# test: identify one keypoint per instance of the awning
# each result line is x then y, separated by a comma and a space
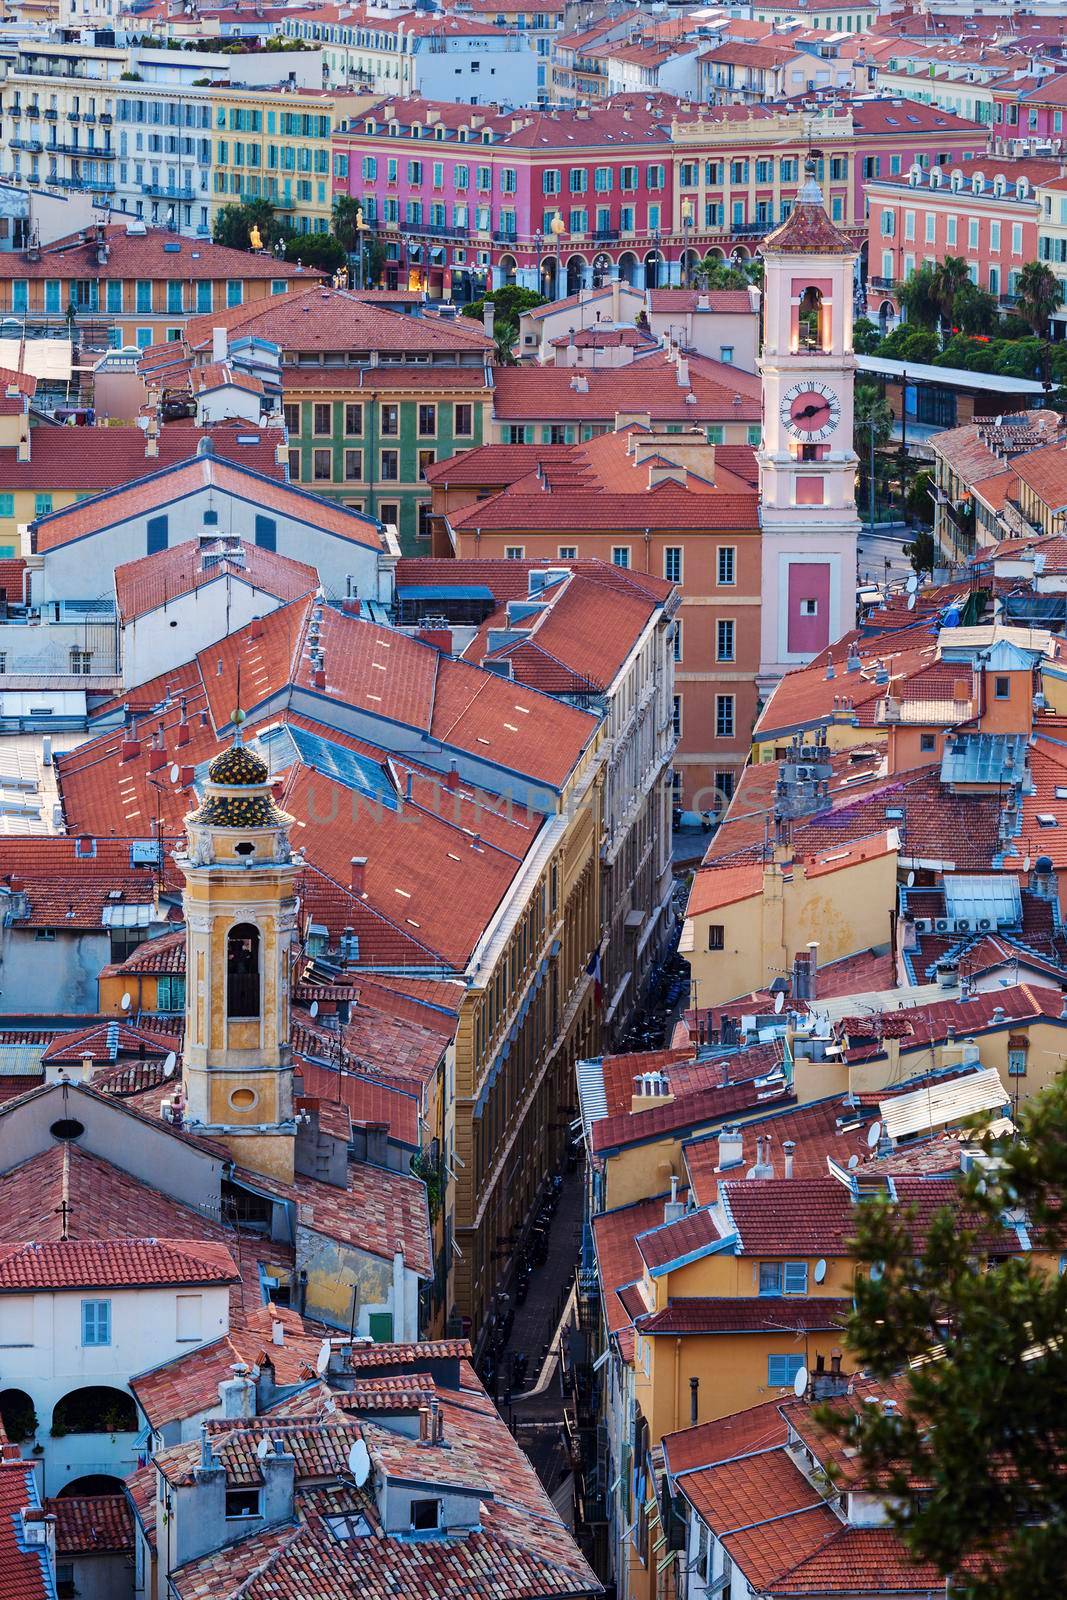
443, 591
937, 1104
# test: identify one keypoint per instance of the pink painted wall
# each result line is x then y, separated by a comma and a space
808, 580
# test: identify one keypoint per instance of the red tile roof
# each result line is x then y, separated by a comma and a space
147, 584
720, 302
69, 882
22, 1569
248, 480
92, 1524
759, 1428
313, 320
619, 1260
822, 1128
700, 1108
97, 460
127, 1263
156, 253
670, 1243
649, 386
761, 1314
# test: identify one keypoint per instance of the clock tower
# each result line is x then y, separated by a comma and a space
807, 466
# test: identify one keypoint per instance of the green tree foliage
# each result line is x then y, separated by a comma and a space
1040, 294
983, 1419
714, 273
910, 342
508, 304
920, 297
319, 250
871, 409
234, 224
919, 501
975, 310
866, 336
343, 222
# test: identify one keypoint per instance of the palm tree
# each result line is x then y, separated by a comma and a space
950, 278
1040, 294
919, 297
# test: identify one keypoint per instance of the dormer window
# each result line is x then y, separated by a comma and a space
425, 1516
241, 1503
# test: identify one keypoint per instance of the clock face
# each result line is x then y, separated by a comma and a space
811, 411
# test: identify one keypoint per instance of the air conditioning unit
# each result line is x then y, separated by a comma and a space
942, 925
963, 924
985, 924
924, 925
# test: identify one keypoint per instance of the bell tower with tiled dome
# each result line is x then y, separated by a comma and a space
240, 916
807, 466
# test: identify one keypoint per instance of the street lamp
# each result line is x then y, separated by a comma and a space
539, 244
559, 228
656, 256
687, 224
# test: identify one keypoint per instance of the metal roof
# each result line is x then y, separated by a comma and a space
948, 377
591, 1095
20, 1060
988, 758
443, 591
283, 745
976, 896
936, 1104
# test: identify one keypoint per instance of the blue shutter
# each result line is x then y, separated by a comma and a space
157, 534
266, 533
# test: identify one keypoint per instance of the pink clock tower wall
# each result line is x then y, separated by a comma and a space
807, 466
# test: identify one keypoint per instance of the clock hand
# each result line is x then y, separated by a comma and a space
811, 410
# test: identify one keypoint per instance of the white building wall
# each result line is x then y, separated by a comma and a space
174, 633
478, 71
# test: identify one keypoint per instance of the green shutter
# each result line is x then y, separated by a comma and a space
380, 1324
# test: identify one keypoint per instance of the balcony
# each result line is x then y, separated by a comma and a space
34, 146
15, 111
429, 230
1008, 299
606, 235
51, 113
89, 119
166, 191
105, 119
74, 116
505, 236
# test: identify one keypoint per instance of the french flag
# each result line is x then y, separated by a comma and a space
593, 970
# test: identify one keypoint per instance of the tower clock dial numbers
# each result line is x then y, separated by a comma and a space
810, 411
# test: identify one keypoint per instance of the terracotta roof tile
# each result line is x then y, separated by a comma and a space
22, 1567
647, 386
156, 253
92, 1524
98, 460
762, 1314
124, 1263
338, 319
147, 584
820, 1129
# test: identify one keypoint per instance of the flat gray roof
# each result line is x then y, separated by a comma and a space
954, 377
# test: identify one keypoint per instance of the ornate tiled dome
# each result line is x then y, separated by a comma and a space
238, 766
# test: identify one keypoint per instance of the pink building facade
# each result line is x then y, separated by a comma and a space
465, 198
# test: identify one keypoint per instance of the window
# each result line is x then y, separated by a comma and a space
620, 555
42, 505
514, 552
463, 419
972, 234
170, 993
889, 224
724, 785
188, 1315
676, 640
550, 181
322, 419
294, 466
781, 1370
672, 563
809, 608
390, 420
724, 639
425, 1515
242, 971
717, 940
96, 1322
390, 472
927, 743
726, 353
426, 460
81, 662
242, 1503
724, 716
427, 421
770, 1277
156, 535
353, 466
796, 1277
676, 716
353, 419
727, 565
234, 292
322, 465
266, 532
380, 1326
950, 230
1002, 688
389, 512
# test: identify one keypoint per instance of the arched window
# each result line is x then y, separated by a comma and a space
810, 319
242, 971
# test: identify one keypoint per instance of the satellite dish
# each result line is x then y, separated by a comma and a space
820, 1270
911, 880
175, 773
911, 602
800, 1383
263, 1448
169, 1064
296, 906
912, 583
874, 1133
779, 1002
876, 1271
314, 1008
853, 1163
125, 1001
323, 1360
359, 1463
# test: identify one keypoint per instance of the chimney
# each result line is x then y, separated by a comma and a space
318, 678
813, 967
788, 1150
186, 776
277, 1331
151, 438
489, 318
219, 344
424, 1416
452, 776
358, 877
237, 1395
674, 1207
731, 1147
694, 1402
183, 732
131, 749
157, 757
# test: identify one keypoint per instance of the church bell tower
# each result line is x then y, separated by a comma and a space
807, 466
240, 916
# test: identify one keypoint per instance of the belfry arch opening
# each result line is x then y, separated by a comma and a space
242, 971
813, 320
